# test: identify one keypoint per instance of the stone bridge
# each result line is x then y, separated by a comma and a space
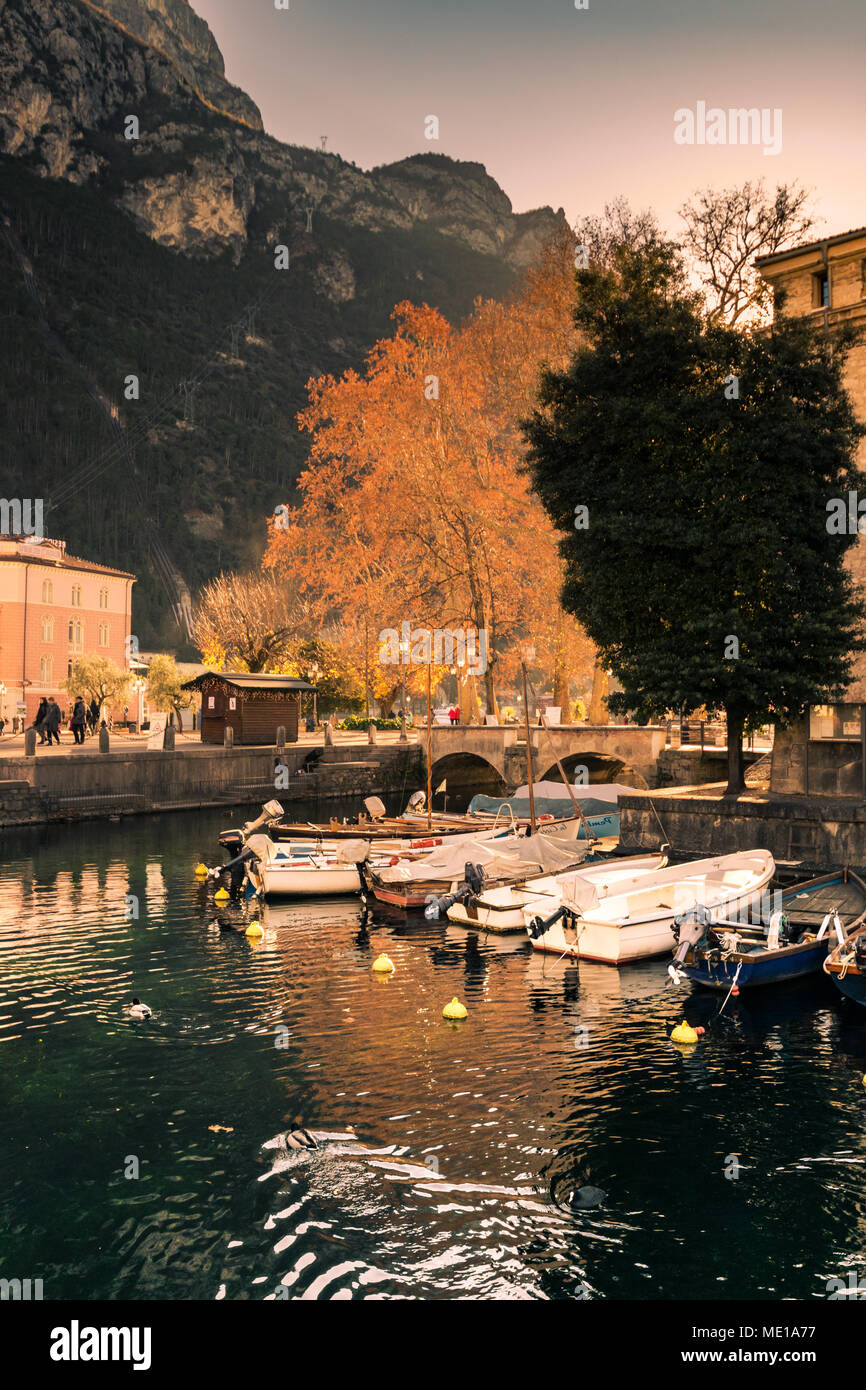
477, 758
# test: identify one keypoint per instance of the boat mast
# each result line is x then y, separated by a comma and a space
429, 746
528, 753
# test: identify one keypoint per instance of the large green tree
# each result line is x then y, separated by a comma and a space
705, 456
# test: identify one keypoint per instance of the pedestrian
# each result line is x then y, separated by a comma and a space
39, 720
79, 720
51, 722
93, 715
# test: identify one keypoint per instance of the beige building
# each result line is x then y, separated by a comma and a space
827, 279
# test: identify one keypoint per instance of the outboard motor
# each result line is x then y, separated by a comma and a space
539, 925
473, 882
689, 929
417, 801
272, 810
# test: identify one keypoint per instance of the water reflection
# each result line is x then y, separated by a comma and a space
561, 1081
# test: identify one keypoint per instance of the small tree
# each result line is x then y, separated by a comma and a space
164, 681
99, 677
690, 468
246, 621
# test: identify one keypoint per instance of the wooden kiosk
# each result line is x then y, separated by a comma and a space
252, 706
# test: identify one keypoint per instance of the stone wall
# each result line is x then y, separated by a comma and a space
820, 832
87, 785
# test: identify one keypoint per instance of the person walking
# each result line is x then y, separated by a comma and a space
93, 715
39, 720
51, 722
79, 720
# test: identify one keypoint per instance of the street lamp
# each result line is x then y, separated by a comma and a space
139, 686
404, 658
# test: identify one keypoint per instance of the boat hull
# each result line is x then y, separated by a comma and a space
638, 923
766, 968
307, 881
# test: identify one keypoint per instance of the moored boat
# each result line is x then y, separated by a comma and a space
846, 966
786, 934
635, 921
477, 861
501, 909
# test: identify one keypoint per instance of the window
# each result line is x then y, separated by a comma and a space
47, 591
46, 674
76, 635
76, 596
47, 629
821, 290
103, 598
103, 634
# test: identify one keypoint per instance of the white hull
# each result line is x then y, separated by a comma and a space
305, 880
503, 909
637, 924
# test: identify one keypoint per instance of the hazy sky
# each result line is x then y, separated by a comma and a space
563, 106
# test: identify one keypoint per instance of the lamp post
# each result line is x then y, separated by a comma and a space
404, 658
313, 677
138, 687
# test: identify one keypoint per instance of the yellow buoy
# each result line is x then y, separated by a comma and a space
220, 896
254, 929
200, 870
455, 1009
684, 1034
383, 964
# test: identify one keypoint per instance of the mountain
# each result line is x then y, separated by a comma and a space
141, 208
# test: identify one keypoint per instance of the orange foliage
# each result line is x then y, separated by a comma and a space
415, 505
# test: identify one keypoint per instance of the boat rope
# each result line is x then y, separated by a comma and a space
733, 982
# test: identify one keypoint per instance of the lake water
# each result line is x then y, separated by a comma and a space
559, 1078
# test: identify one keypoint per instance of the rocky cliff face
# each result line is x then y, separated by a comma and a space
198, 165
154, 255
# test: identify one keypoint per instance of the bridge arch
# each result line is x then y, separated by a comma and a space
466, 774
601, 767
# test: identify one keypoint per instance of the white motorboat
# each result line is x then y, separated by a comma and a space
635, 920
501, 909
294, 869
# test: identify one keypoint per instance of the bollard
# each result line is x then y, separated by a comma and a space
372, 733
168, 738
30, 743
103, 739
228, 736
329, 736
281, 737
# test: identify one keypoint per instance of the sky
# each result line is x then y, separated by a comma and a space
566, 107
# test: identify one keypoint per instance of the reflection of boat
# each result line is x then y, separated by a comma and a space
788, 935
502, 909
471, 863
846, 966
636, 921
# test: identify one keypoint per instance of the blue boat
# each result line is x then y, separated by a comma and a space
846, 966
788, 934
599, 805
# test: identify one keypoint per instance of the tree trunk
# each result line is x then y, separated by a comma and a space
600, 690
736, 778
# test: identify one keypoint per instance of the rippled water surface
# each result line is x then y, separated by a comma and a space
558, 1079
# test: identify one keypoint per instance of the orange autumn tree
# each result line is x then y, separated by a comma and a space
415, 506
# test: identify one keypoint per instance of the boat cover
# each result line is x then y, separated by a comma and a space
512, 857
551, 799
